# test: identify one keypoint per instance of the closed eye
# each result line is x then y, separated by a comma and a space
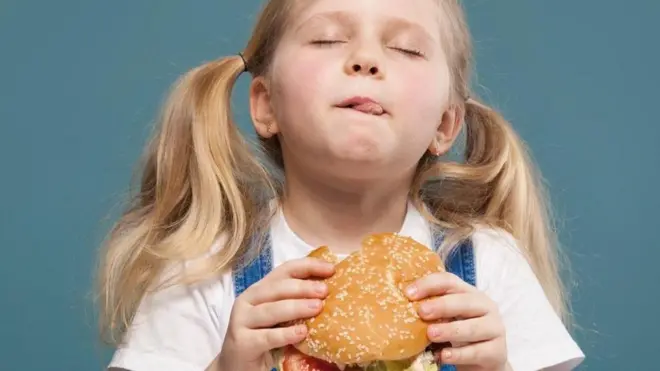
410, 52
327, 42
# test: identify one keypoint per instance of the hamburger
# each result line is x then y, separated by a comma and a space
367, 322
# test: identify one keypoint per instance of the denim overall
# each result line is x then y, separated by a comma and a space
459, 262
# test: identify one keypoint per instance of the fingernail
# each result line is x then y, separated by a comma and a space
320, 288
315, 304
411, 290
300, 330
424, 309
434, 332
446, 354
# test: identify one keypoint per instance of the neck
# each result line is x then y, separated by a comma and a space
340, 217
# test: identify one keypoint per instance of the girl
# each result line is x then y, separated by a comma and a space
354, 102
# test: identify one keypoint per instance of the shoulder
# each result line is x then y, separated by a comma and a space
498, 255
496, 242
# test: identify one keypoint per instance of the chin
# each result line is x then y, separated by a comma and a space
367, 322
361, 155
360, 148
362, 141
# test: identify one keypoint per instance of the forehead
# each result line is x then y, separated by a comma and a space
422, 14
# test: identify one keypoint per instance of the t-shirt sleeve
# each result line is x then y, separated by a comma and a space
536, 337
175, 329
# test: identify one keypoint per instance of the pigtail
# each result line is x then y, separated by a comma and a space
200, 178
517, 197
496, 185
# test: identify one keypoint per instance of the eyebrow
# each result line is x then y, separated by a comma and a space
343, 18
347, 19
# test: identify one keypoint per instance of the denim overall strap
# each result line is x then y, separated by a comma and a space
460, 262
247, 276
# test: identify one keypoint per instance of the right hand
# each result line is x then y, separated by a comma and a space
285, 294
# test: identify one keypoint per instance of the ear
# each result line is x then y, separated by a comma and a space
261, 109
448, 130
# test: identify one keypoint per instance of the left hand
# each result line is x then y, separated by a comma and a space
471, 322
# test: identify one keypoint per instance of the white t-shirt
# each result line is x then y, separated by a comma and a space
182, 328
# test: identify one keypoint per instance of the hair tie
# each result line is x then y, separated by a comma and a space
245, 63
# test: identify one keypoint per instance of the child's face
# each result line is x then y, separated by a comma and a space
309, 80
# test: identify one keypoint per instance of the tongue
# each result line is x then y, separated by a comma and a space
371, 108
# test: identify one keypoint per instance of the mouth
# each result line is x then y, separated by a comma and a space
364, 105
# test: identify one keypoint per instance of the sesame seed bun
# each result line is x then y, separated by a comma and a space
366, 316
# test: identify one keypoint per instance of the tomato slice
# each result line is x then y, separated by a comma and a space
297, 361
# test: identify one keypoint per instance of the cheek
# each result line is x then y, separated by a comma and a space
299, 97
425, 90
424, 97
299, 82
298, 87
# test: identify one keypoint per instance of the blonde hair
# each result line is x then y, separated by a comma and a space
202, 179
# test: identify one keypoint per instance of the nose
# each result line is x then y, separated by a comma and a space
362, 63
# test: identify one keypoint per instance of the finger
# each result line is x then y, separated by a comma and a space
271, 314
289, 288
485, 354
466, 331
450, 306
302, 268
437, 284
268, 339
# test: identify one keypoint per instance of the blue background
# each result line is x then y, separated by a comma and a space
81, 81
